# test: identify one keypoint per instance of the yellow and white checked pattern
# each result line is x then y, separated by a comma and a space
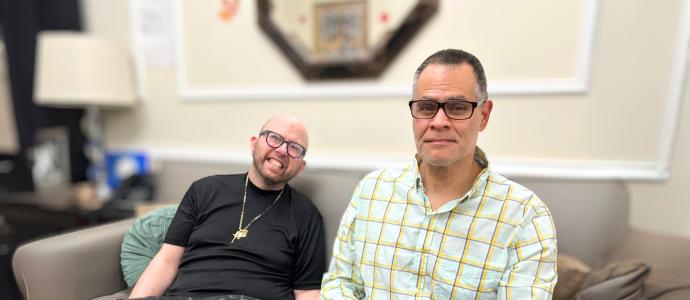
498, 241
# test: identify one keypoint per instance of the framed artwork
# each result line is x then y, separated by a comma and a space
50, 159
341, 31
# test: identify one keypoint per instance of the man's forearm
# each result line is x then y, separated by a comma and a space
160, 272
306, 294
154, 281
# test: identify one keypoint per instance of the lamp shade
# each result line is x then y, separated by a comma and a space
76, 69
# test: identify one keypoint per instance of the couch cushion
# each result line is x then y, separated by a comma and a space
143, 240
668, 256
121, 295
621, 280
585, 211
571, 273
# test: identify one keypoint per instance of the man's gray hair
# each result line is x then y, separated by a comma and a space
454, 57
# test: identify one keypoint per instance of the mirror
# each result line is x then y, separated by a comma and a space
331, 39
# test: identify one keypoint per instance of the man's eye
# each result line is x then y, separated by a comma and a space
459, 107
295, 148
427, 107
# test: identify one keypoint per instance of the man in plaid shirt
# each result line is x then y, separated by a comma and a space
444, 225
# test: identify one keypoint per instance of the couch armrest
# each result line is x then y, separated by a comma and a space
668, 257
83, 264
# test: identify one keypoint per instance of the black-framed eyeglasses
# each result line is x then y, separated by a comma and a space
275, 140
454, 109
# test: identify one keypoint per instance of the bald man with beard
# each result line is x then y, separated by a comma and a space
244, 236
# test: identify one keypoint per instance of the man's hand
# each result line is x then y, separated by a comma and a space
160, 272
306, 294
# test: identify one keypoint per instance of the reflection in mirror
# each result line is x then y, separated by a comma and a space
341, 39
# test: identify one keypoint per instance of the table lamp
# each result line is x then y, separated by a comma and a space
75, 69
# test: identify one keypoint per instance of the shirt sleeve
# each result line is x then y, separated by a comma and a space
311, 256
343, 280
531, 273
183, 222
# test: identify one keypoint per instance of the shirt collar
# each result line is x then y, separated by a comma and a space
479, 157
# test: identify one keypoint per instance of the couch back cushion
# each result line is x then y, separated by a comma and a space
591, 216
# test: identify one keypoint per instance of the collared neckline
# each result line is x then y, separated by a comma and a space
479, 157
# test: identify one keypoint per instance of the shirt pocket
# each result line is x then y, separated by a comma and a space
468, 284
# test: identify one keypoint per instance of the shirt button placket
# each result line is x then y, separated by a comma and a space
421, 255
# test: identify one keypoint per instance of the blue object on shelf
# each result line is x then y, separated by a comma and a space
121, 165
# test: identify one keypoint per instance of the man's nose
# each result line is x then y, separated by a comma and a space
440, 119
282, 149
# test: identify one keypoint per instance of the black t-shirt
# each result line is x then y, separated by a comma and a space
283, 251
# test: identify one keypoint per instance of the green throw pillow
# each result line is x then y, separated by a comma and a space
143, 240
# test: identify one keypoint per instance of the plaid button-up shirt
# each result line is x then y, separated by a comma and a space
497, 241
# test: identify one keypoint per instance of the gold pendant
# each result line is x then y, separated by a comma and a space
241, 233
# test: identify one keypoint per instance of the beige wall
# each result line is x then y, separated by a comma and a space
595, 125
665, 206
620, 117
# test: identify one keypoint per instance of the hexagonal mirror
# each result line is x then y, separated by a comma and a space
330, 39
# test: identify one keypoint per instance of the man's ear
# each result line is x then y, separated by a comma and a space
486, 113
252, 143
304, 164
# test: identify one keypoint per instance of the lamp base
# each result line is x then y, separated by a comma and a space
96, 172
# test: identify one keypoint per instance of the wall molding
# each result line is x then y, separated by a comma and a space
578, 83
674, 104
523, 168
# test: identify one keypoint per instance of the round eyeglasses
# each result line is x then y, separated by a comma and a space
454, 109
275, 140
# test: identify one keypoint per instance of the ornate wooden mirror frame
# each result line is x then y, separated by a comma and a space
352, 58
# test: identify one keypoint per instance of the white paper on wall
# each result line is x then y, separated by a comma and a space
153, 32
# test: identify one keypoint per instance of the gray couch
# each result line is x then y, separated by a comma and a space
591, 220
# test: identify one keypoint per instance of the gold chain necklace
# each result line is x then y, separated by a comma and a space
242, 232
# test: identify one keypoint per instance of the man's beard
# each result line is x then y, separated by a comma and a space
270, 180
